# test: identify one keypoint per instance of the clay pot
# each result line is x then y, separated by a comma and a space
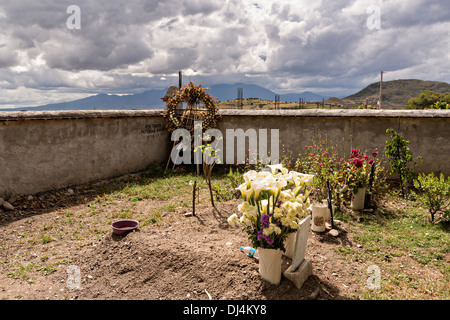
122, 227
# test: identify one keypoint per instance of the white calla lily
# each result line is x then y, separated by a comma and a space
271, 193
279, 166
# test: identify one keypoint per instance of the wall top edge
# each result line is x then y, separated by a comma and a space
92, 114
341, 113
76, 114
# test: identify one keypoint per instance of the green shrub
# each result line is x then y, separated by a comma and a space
322, 161
401, 159
428, 99
225, 189
435, 192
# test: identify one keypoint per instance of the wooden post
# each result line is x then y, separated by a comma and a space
368, 197
381, 88
330, 206
193, 198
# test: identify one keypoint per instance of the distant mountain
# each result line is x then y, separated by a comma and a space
146, 100
151, 99
396, 93
224, 92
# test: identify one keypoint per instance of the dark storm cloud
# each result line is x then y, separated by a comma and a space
285, 45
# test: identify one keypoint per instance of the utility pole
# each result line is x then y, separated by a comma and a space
179, 79
240, 98
381, 88
277, 101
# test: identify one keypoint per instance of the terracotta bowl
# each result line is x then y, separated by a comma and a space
122, 227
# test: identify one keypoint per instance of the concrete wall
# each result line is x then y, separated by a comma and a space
41, 151
48, 150
427, 130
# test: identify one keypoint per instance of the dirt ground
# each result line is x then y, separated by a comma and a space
188, 258
180, 258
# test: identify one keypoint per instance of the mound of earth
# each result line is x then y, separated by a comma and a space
195, 257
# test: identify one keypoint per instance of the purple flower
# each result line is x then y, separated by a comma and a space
265, 220
262, 236
279, 202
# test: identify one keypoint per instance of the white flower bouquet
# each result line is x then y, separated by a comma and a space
274, 204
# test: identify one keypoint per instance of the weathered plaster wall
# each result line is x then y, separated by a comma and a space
42, 151
48, 150
427, 130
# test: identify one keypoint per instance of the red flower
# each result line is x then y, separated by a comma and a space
354, 153
374, 154
358, 162
371, 162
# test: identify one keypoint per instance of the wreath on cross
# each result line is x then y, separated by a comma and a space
201, 106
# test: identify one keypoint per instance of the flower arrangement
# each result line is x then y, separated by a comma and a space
357, 170
274, 204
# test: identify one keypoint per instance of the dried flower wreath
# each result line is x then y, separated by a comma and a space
193, 95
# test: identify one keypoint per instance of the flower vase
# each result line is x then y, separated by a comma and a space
270, 265
357, 202
319, 214
289, 244
328, 217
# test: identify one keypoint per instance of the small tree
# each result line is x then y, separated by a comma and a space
209, 160
435, 192
426, 100
401, 159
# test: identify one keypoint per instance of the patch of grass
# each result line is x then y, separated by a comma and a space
18, 271
396, 234
47, 269
154, 216
45, 238
123, 214
68, 213
343, 250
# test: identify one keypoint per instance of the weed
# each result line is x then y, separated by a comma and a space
45, 238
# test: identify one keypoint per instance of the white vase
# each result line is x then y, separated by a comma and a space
319, 214
289, 244
270, 265
358, 198
328, 217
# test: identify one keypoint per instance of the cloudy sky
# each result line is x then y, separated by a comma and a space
331, 47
